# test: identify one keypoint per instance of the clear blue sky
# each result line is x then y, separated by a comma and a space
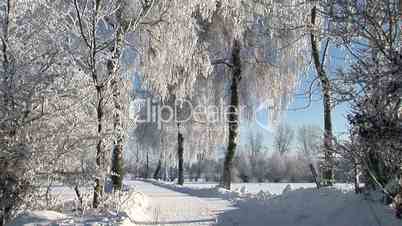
313, 115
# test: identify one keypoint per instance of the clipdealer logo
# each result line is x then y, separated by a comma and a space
151, 110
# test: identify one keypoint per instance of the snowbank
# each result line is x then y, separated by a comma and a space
338, 206
309, 207
131, 207
38, 218
134, 209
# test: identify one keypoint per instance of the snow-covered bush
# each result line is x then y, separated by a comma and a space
287, 189
263, 195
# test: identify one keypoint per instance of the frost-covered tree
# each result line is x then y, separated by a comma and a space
172, 61
99, 45
129, 16
239, 36
373, 80
89, 40
42, 121
256, 155
255, 40
257, 50
326, 91
369, 31
309, 141
283, 138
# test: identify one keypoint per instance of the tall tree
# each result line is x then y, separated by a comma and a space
251, 60
327, 171
171, 62
234, 34
123, 24
233, 121
180, 150
89, 53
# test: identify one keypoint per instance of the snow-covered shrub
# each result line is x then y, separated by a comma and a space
15, 187
287, 189
263, 195
115, 201
393, 187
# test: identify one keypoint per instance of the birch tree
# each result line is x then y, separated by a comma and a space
319, 62
88, 47
252, 64
214, 33
129, 16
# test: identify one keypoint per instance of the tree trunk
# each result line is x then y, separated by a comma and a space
180, 153
399, 207
147, 166
100, 158
198, 175
172, 173
233, 122
398, 198
117, 167
314, 173
200, 158
6, 215
165, 171
157, 170
356, 177
100, 149
137, 162
79, 196
327, 171
7, 77
117, 85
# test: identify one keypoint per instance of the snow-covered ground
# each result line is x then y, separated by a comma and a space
310, 207
273, 188
121, 210
169, 207
159, 203
274, 204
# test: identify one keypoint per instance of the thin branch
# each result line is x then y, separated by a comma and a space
221, 61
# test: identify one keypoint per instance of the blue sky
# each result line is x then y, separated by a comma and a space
313, 115
296, 118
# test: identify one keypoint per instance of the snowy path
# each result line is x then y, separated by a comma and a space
168, 207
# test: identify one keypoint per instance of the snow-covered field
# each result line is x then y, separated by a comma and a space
273, 188
256, 204
288, 204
